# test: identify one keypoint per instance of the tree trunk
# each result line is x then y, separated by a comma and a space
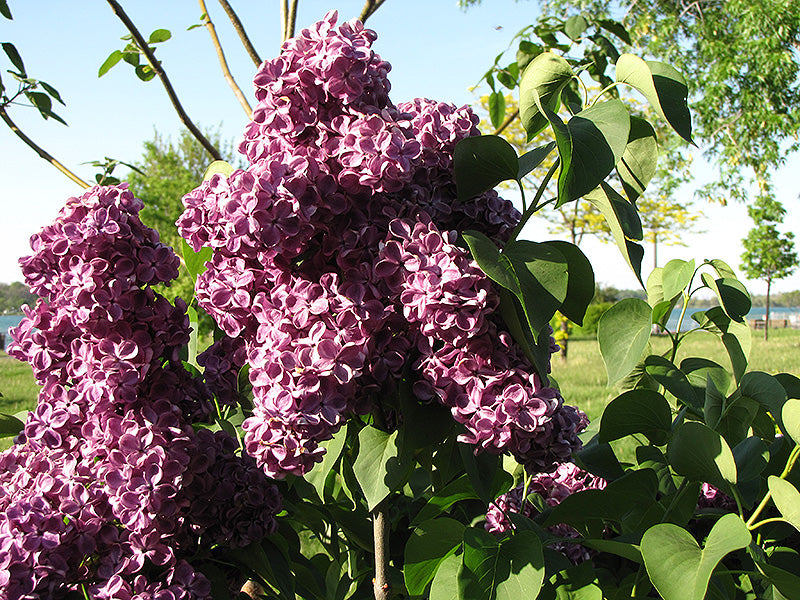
766, 318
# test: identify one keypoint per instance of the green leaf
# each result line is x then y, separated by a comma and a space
497, 108
218, 166
533, 158
785, 581
735, 417
268, 562
333, 450
678, 567
195, 261
790, 414
732, 295
673, 380
112, 60
580, 281
639, 160
752, 456
4, 10
735, 336
10, 426
786, 499
622, 333
509, 570
455, 491
542, 81
698, 371
159, 35
769, 393
536, 350
445, 583
483, 471
663, 86
542, 273
430, 544
590, 145
676, 276
722, 268
14, 57
145, 72
662, 307
380, 466
618, 29
623, 220
698, 452
42, 102
574, 27
481, 162
637, 411
497, 266
52, 91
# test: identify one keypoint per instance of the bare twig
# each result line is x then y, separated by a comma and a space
223, 63
158, 70
237, 25
370, 6
291, 24
380, 532
39, 150
284, 19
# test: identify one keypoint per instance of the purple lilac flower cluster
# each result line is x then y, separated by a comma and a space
553, 488
108, 475
335, 263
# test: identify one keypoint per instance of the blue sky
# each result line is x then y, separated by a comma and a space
437, 51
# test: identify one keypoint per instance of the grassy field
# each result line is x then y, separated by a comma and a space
582, 378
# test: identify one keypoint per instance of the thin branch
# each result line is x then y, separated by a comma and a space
292, 23
370, 6
158, 70
223, 63
284, 19
40, 151
237, 25
380, 532
507, 122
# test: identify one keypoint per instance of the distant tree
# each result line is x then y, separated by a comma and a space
768, 254
168, 170
13, 296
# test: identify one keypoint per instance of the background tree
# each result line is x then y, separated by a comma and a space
768, 254
166, 172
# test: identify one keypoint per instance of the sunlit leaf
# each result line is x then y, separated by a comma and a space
622, 333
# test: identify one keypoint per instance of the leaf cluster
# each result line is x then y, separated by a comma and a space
132, 54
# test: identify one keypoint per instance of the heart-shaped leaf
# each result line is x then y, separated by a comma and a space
590, 145
622, 333
790, 413
698, 452
381, 466
481, 162
639, 160
663, 86
733, 296
786, 498
637, 411
678, 567
676, 276
542, 81
430, 543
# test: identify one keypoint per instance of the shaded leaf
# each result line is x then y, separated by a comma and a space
639, 160
14, 57
430, 544
542, 81
580, 281
10, 426
698, 452
673, 380
733, 296
533, 158
497, 108
663, 86
455, 491
481, 162
735, 336
4, 10
768, 392
637, 411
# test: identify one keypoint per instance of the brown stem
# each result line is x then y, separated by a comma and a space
223, 63
284, 19
509, 120
370, 6
39, 150
380, 532
237, 25
158, 70
292, 19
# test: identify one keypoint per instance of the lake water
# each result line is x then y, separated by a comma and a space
781, 312
6, 323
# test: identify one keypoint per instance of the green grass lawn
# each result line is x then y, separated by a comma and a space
17, 385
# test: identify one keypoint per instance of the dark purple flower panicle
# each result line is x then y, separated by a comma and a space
335, 264
553, 488
107, 475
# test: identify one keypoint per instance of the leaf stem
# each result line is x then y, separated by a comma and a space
676, 340
795, 454
533, 207
603, 91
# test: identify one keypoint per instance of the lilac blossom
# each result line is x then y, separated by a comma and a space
553, 488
